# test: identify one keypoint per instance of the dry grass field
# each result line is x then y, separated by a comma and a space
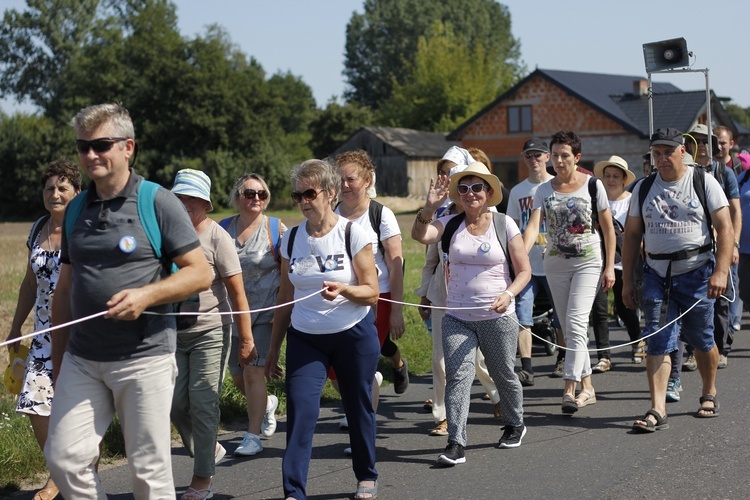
14, 258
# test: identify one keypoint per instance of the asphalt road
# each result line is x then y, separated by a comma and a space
592, 454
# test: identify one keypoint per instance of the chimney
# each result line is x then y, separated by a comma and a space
640, 87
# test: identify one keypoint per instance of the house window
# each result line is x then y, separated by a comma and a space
519, 119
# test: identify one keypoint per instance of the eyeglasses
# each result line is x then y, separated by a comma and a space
100, 145
308, 195
475, 188
701, 141
533, 155
249, 194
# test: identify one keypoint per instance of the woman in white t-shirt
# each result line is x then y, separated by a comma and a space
572, 259
333, 328
480, 300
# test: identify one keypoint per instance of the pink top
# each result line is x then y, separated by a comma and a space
478, 271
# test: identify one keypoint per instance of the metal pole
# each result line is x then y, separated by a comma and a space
650, 108
708, 116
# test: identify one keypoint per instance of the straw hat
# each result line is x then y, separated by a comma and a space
477, 169
614, 161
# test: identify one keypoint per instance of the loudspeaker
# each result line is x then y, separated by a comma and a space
667, 54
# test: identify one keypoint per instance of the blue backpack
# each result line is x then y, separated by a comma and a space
146, 213
273, 228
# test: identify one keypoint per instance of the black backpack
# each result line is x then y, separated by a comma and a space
502, 236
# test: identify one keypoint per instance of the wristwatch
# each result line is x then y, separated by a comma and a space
737, 244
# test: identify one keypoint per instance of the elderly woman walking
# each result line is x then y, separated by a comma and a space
487, 268
203, 340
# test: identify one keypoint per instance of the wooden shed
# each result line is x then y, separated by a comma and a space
404, 158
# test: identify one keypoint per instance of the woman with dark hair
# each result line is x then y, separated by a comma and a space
61, 182
256, 239
573, 257
328, 259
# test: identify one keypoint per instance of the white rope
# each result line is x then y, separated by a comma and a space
102, 313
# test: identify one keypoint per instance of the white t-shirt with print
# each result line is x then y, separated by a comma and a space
674, 220
520, 206
315, 260
388, 229
478, 271
569, 221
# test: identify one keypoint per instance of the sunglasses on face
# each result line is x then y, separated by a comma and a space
308, 195
533, 155
475, 188
249, 194
100, 145
701, 141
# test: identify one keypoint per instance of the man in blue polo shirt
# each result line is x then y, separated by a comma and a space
123, 361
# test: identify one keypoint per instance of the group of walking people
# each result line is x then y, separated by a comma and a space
332, 288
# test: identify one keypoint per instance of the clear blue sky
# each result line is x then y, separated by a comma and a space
307, 37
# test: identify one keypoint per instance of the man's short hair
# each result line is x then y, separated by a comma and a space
90, 118
567, 137
726, 130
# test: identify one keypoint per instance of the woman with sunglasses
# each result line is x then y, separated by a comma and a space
573, 257
61, 182
480, 297
203, 340
256, 239
329, 259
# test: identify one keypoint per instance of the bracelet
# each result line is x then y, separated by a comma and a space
737, 244
420, 219
511, 294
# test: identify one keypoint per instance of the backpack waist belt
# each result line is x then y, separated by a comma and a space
682, 254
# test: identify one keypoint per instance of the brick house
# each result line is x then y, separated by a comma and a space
608, 112
404, 158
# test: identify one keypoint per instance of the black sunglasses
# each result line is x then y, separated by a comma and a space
701, 141
476, 188
309, 195
249, 194
100, 145
533, 155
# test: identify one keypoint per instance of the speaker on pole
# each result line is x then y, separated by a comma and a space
666, 55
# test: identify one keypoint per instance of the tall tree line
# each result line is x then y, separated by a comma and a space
202, 103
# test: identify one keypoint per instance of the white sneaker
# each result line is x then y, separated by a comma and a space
348, 452
344, 424
219, 453
249, 446
268, 427
379, 378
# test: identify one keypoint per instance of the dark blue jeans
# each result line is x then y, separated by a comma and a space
354, 354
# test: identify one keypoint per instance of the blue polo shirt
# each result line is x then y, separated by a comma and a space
110, 252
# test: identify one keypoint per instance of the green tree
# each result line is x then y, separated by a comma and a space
739, 114
335, 124
447, 83
382, 42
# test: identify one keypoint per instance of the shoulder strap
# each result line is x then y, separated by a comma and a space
348, 239
147, 214
699, 186
646, 184
273, 228
73, 211
502, 236
36, 228
224, 223
593, 194
450, 228
375, 212
290, 242
720, 174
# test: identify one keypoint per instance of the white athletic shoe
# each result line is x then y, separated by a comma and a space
344, 424
249, 446
268, 427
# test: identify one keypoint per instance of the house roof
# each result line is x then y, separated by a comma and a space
412, 143
613, 96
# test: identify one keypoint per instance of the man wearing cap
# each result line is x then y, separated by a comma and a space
123, 361
535, 155
728, 181
680, 270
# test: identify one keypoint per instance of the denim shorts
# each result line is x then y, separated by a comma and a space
525, 301
696, 328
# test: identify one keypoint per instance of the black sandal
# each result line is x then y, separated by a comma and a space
713, 409
649, 426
